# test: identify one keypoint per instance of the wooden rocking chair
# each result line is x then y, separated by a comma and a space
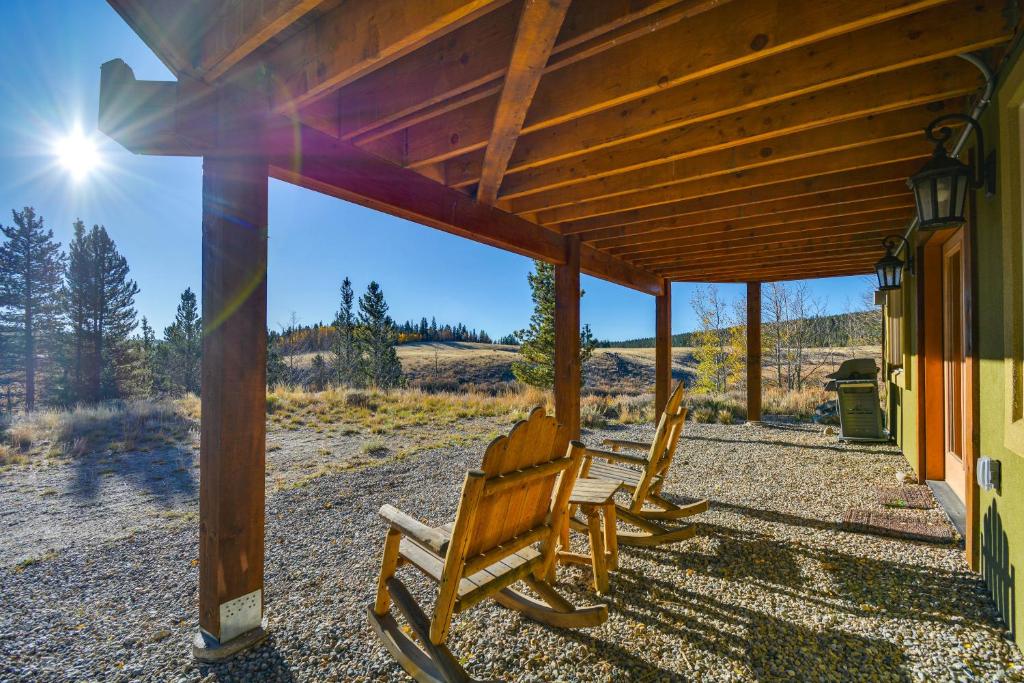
645, 479
506, 530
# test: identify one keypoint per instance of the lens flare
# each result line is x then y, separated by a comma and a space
77, 153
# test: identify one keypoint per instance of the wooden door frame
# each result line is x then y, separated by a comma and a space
930, 436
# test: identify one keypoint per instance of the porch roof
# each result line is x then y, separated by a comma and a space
679, 140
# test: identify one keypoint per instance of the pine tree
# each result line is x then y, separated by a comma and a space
382, 369
345, 350
536, 365
320, 374
147, 371
114, 317
30, 272
276, 369
184, 339
76, 300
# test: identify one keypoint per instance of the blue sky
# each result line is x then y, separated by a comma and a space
49, 82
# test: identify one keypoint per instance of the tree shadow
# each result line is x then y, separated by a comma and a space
166, 474
852, 450
751, 638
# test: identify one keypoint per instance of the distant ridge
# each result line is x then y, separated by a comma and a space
840, 329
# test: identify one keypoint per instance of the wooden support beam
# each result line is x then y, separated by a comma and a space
819, 189
730, 71
234, 382
241, 26
753, 352
917, 85
354, 39
168, 118
538, 26
568, 372
662, 350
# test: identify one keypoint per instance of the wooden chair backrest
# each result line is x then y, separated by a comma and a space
663, 445
519, 473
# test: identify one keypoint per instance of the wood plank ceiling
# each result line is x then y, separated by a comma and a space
700, 140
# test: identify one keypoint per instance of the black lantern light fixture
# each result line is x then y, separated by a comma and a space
940, 187
890, 267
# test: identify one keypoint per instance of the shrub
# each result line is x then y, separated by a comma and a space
725, 416
703, 414
359, 399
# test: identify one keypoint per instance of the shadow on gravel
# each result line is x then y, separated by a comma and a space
852, 450
265, 663
165, 474
756, 640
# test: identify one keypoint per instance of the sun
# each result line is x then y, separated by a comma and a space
77, 153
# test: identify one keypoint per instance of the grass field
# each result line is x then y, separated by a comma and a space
460, 366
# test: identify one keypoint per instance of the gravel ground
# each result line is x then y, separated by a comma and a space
769, 590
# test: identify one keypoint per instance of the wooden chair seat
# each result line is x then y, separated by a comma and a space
475, 587
607, 471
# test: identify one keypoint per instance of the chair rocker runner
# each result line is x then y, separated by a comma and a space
506, 530
644, 480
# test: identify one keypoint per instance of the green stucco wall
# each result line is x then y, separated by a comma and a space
1000, 527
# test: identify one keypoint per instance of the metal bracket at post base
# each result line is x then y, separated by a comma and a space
206, 648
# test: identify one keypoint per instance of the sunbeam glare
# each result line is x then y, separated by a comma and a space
77, 153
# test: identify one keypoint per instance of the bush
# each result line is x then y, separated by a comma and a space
703, 414
725, 416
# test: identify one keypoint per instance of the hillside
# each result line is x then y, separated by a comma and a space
841, 329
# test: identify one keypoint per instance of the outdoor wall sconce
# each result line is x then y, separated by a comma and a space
889, 268
940, 187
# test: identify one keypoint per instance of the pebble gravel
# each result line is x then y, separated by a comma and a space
769, 590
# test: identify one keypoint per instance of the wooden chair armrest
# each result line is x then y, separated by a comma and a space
628, 458
429, 537
625, 443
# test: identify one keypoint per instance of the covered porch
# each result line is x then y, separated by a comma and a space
642, 143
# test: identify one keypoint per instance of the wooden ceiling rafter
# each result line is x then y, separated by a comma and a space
535, 36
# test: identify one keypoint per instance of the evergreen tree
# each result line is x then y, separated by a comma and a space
147, 370
30, 272
382, 369
276, 369
76, 300
320, 374
536, 365
184, 340
345, 350
114, 317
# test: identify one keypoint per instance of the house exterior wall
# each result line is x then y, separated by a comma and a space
999, 529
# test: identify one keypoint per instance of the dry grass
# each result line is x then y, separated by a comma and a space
118, 426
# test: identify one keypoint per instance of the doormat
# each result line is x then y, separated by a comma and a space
886, 523
917, 497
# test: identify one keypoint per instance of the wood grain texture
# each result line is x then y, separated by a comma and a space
538, 26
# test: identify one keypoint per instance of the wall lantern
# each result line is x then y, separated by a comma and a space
940, 187
890, 267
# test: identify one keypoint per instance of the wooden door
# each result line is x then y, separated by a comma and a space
953, 365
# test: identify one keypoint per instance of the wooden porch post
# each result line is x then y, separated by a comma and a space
568, 373
753, 352
233, 428
662, 349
